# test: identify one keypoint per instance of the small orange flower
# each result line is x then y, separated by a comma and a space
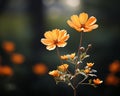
54, 73
17, 58
82, 23
87, 71
8, 46
55, 38
40, 69
97, 81
63, 67
90, 64
65, 57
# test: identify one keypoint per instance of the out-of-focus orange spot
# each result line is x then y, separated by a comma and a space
8, 46
6, 70
114, 67
40, 69
0, 70
17, 58
112, 80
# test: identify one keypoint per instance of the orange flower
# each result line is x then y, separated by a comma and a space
55, 38
90, 64
8, 46
82, 23
63, 67
65, 57
17, 58
97, 81
40, 69
87, 71
54, 73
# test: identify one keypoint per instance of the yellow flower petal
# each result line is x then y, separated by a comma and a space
61, 44
65, 38
55, 34
83, 18
75, 20
47, 41
92, 20
48, 35
62, 33
63, 67
51, 47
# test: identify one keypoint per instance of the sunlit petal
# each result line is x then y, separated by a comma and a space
48, 35
61, 44
55, 34
47, 41
92, 20
51, 47
83, 18
75, 20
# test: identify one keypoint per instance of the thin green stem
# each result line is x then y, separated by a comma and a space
58, 53
74, 91
80, 44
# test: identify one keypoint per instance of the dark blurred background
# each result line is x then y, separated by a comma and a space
25, 62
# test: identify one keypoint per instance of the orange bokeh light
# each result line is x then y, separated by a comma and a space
114, 67
6, 70
8, 46
40, 69
17, 58
112, 80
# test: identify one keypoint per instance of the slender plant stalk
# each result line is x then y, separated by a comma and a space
58, 53
74, 92
80, 43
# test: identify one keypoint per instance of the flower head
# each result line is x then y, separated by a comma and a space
54, 73
55, 38
63, 67
65, 57
97, 81
82, 23
87, 71
90, 64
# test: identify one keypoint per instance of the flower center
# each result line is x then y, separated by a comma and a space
82, 25
55, 42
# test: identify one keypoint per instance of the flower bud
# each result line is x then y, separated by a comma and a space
82, 49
